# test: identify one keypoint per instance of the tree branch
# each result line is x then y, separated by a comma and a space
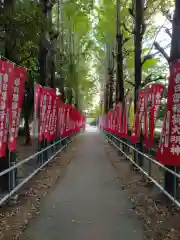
126, 40
51, 4
130, 83
127, 29
168, 32
146, 80
25, 58
161, 50
150, 79
127, 52
126, 93
130, 10
54, 35
147, 57
168, 16
143, 29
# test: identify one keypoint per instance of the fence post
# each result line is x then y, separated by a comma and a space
140, 159
4, 180
12, 174
170, 181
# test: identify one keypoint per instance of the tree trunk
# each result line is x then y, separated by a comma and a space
43, 63
138, 7
106, 101
111, 81
9, 40
52, 52
119, 80
52, 80
69, 96
62, 49
61, 88
138, 35
175, 43
43, 48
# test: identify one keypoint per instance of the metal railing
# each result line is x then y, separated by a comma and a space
34, 164
126, 149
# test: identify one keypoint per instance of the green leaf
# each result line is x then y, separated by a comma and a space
150, 63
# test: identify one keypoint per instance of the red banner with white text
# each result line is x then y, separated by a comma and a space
6, 90
46, 104
127, 104
119, 119
37, 97
146, 119
156, 95
169, 147
16, 106
62, 122
138, 118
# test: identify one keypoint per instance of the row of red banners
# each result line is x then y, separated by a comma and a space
116, 121
55, 119
168, 151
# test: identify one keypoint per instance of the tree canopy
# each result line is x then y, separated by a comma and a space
78, 40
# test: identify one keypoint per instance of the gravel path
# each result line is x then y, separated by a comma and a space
88, 203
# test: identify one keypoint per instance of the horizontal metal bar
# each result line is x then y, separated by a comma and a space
146, 156
29, 158
146, 174
7, 196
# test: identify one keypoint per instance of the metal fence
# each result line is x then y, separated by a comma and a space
34, 164
151, 168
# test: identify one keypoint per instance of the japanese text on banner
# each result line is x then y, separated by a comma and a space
6, 87
16, 107
169, 147
156, 93
138, 118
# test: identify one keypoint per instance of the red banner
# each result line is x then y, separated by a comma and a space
16, 107
119, 118
46, 103
6, 88
75, 117
53, 119
68, 119
62, 121
51, 95
43, 109
169, 146
146, 119
156, 95
37, 97
138, 117
124, 129
113, 128
58, 117
105, 123
127, 104
109, 121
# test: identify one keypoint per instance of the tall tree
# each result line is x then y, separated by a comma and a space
139, 29
119, 69
9, 6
